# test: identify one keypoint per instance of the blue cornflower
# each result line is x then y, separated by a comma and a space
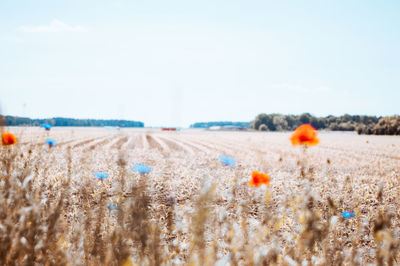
347, 214
51, 142
101, 175
141, 168
111, 207
47, 126
226, 160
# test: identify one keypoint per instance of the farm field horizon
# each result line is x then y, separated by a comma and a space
194, 209
199, 133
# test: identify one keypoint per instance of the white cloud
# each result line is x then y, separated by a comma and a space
54, 26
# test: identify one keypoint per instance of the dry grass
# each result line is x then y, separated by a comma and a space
190, 209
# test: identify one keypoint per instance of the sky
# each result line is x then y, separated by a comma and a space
176, 62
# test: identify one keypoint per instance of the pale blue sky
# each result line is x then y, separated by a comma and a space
173, 63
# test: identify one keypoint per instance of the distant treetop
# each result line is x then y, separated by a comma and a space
69, 122
221, 124
279, 122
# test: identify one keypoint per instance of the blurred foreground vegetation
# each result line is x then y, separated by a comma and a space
192, 210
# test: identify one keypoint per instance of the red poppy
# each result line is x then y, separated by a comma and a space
8, 139
304, 135
258, 179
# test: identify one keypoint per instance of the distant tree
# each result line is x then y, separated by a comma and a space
346, 118
263, 127
317, 123
292, 122
360, 129
264, 119
387, 126
280, 123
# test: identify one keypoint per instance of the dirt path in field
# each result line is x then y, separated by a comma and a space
119, 141
84, 143
161, 143
177, 145
100, 143
135, 142
195, 146
211, 146
153, 144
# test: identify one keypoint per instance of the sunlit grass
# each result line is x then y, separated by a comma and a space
126, 201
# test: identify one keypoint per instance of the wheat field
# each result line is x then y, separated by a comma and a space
191, 209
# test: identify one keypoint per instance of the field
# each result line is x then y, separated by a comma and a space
193, 210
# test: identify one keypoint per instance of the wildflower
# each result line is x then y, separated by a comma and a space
8, 139
347, 214
47, 126
226, 160
304, 135
258, 179
101, 175
51, 142
141, 168
111, 207
128, 262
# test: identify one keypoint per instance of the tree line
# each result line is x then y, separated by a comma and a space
221, 124
279, 122
69, 122
385, 126
363, 124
